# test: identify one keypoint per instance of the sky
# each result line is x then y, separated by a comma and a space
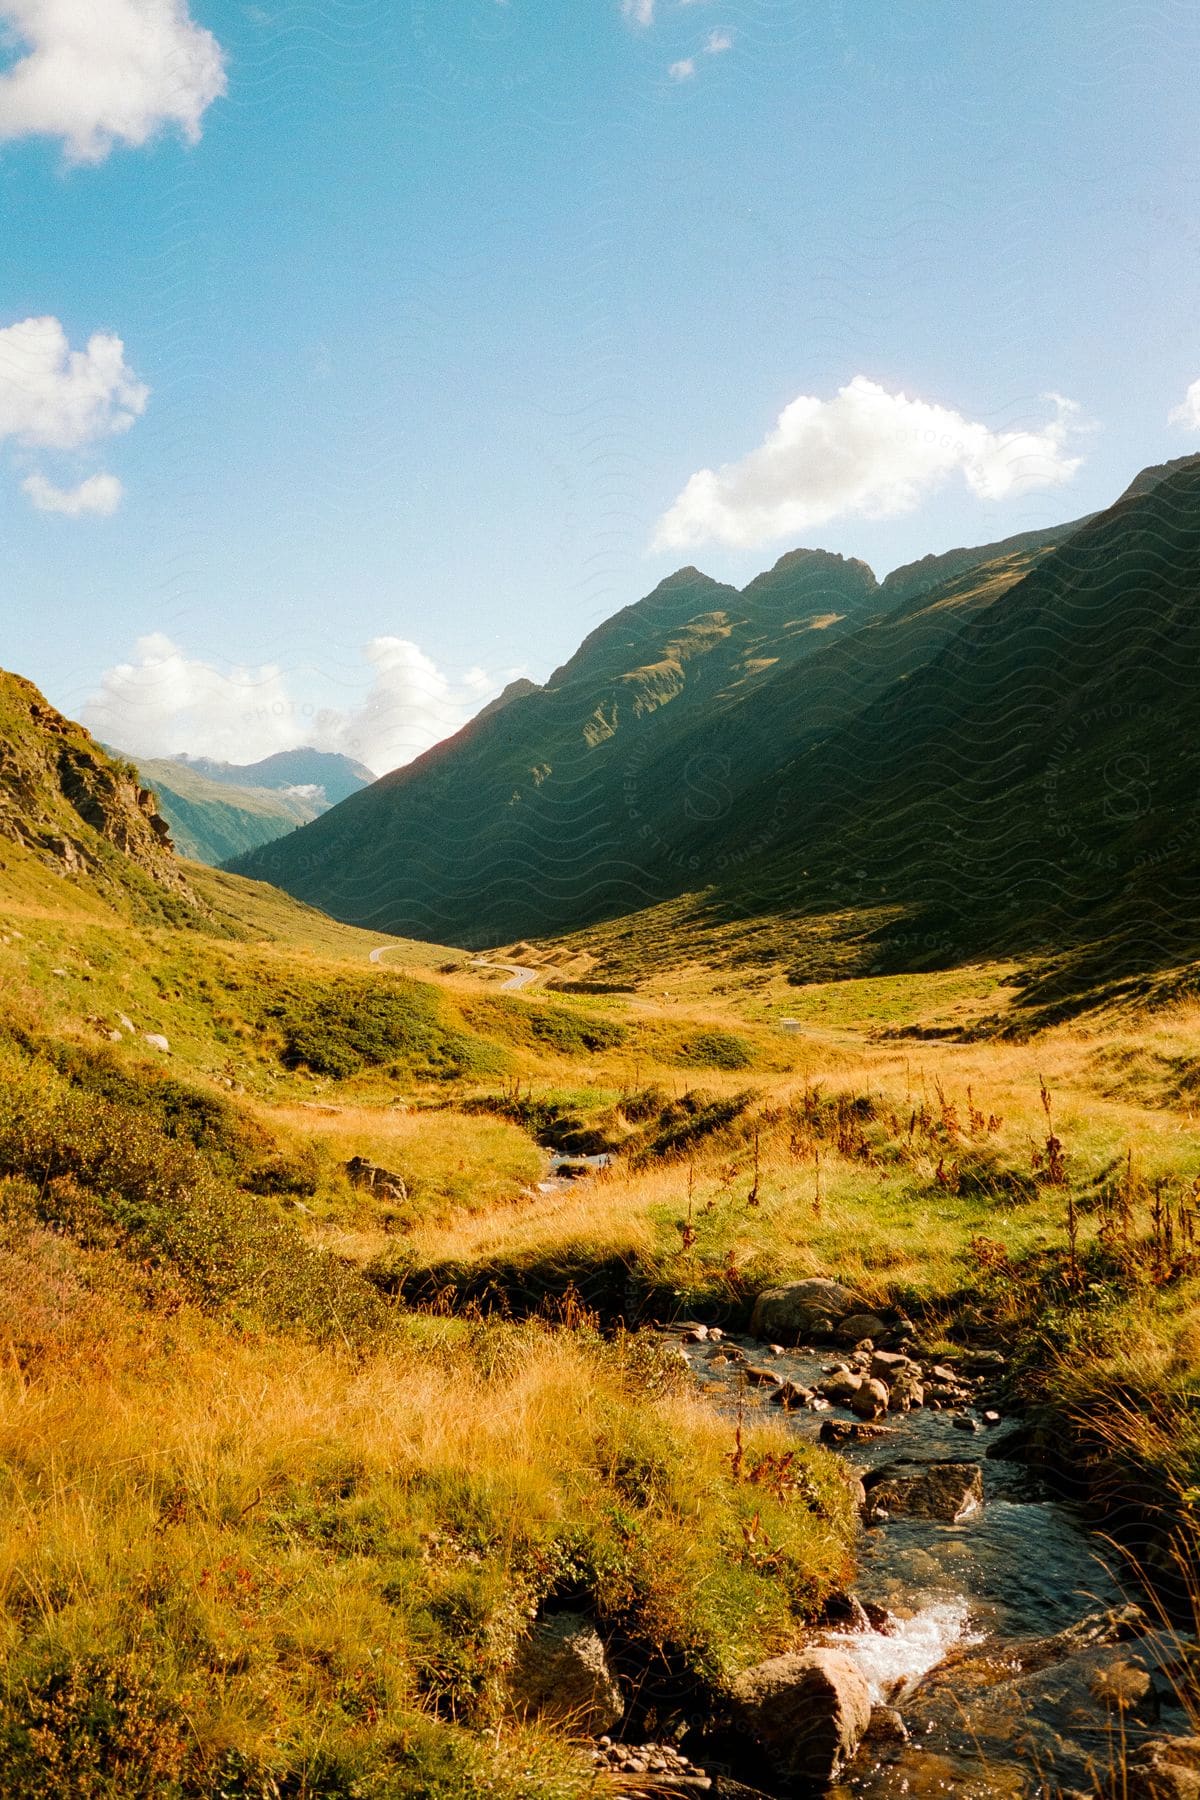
357, 356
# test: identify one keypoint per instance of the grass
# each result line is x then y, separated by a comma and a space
264, 1531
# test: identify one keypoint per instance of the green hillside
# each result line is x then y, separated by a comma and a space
603, 791
212, 821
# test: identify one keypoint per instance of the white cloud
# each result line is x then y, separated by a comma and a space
866, 452
638, 12
57, 398
96, 73
99, 494
164, 702
1187, 413
682, 71
717, 42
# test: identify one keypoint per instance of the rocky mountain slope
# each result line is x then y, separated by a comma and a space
75, 808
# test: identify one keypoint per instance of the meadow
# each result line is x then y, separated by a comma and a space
287, 1467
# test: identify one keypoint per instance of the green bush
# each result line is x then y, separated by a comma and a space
102, 1171
716, 1050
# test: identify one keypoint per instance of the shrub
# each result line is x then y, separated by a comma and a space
101, 1170
716, 1049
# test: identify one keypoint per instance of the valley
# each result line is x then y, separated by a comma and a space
343, 1291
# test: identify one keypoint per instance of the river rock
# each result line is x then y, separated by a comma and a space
562, 1673
1165, 1769
860, 1327
925, 1490
840, 1388
871, 1400
791, 1396
808, 1711
759, 1377
803, 1309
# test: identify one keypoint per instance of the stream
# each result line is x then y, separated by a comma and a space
1019, 1567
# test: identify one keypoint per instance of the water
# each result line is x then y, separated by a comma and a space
1020, 1567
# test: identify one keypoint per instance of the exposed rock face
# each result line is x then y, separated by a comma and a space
807, 1712
925, 1490
562, 1673
787, 1314
64, 799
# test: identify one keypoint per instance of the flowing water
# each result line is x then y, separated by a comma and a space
1022, 1566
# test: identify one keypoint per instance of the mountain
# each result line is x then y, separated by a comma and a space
927, 768
1031, 789
333, 777
588, 796
533, 815
69, 807
219, 810
212, 821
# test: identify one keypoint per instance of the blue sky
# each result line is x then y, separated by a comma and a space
443, 310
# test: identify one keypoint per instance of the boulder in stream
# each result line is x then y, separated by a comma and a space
804, 1309
1164, 1769
948, 1490
807, 1711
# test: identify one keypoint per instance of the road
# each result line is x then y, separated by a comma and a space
519, 976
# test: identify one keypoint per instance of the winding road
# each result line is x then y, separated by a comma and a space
519, 974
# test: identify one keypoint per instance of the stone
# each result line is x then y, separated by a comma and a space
114, 1037
871, 1400
791, 1396
760, 1377
376, 1180
886, 1727
125, 1022
964, 1422
857, 1327
807, 1710
786, 1314
1165, 1769
157, 1041
561, 1673
695, 1334
840, 1388
948, 1490
887, 1365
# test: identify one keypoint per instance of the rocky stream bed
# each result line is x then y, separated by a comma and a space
989, 1648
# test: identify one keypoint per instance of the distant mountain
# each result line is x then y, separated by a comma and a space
587, 796
212, 821
217, 811
77, 810
336, 777
990, 750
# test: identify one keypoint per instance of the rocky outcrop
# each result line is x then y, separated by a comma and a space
1165, 1769
64, 799
807, 1713
562, 1674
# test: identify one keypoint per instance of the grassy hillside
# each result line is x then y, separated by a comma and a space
212, 821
